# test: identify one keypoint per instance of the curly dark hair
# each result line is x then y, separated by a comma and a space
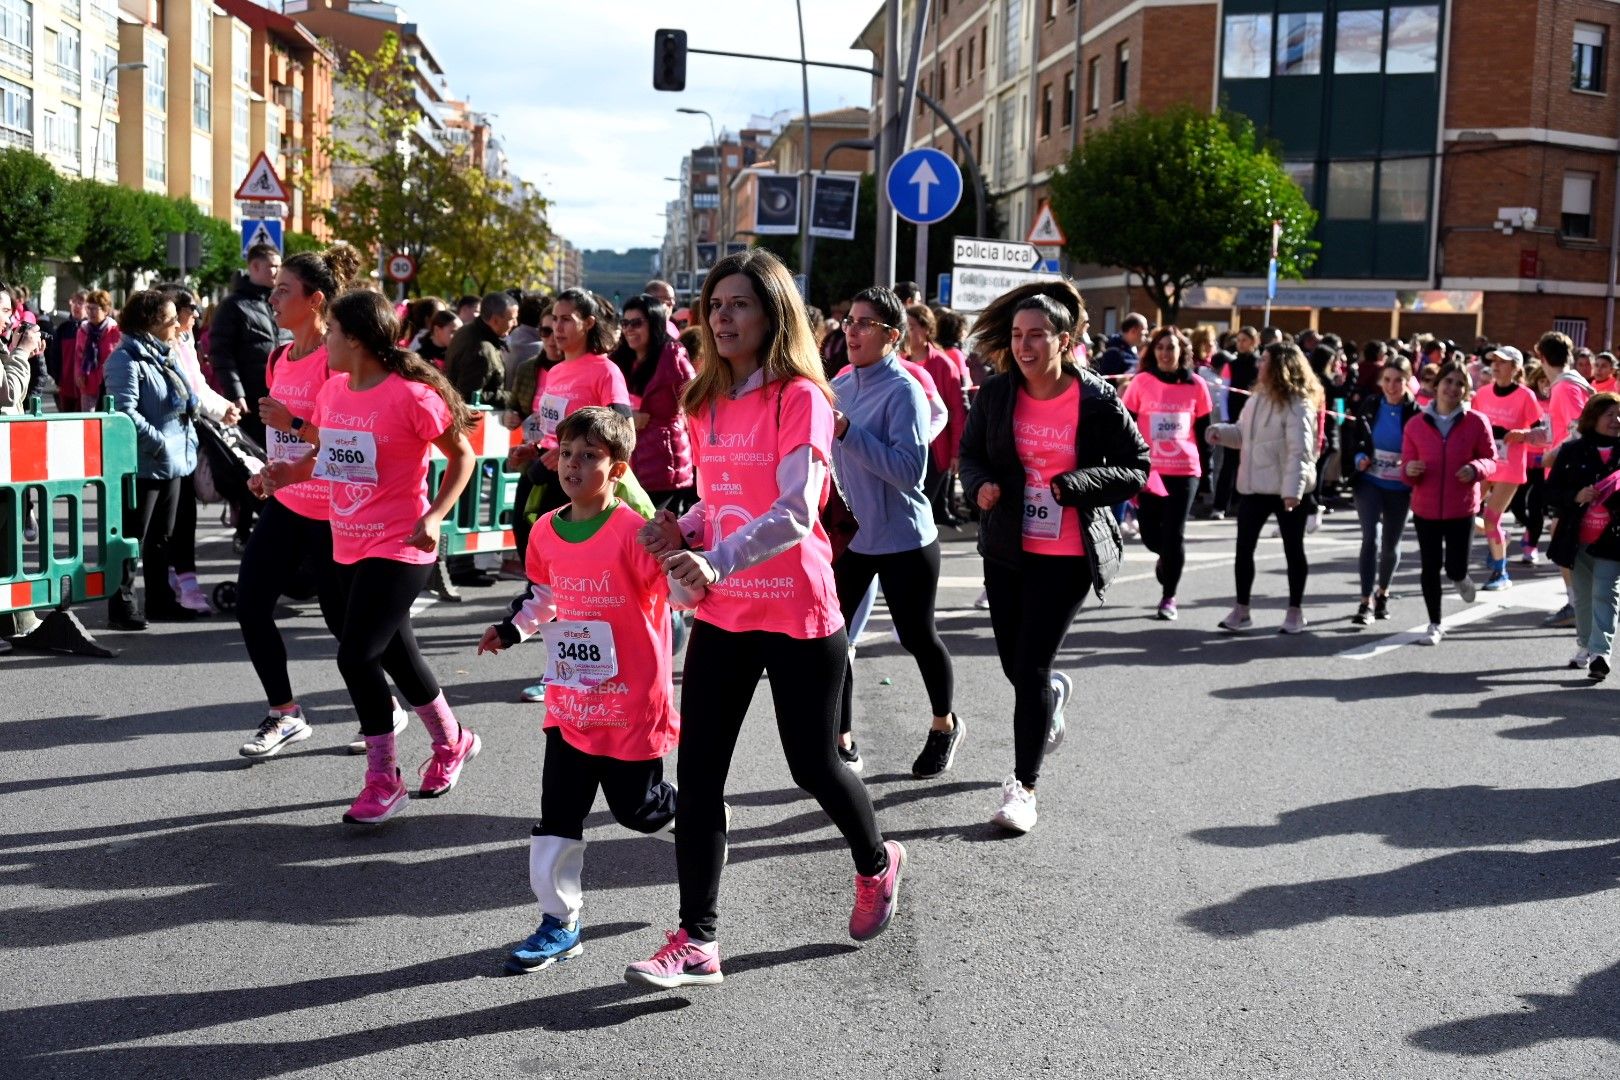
143, 312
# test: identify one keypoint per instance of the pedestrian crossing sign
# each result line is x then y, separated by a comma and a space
260, 232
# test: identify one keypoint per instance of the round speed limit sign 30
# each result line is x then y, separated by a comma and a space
401, 267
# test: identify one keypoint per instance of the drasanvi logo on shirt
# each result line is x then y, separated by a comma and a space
597, 585
351, 420
349, 498
733, 440
729, 520
1045, 432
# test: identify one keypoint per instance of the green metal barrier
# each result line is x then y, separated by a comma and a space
482, 519
77, 471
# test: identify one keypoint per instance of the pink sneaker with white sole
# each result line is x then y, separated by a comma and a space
441, 771
381, 798
877, 896
682, 962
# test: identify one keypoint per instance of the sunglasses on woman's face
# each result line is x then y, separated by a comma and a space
634, 324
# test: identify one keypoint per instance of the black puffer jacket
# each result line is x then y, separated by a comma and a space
1112, 467
1579, 465
243, 335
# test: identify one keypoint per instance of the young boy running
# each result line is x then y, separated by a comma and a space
602, 605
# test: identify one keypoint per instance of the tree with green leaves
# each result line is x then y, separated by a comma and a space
119, 235
44, 214
1179, 197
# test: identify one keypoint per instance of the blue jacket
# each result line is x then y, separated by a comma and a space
882, 458
138, 376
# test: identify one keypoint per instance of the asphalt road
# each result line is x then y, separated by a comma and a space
1337, 855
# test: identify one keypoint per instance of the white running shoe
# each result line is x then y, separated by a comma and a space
1467, 589
1017, 812
1581, 658
275, 733
1433, 634
402, 719
983, 602
1313, 522
1293, 623
1062, 692
1238, 619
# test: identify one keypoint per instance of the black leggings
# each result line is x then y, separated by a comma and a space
282, 544
1252, 513
1442, 542
722, 672
375, 639
183, 544
1031, 607
1226, 483
636, 792
1530, 504
150, 519
1163, 519
910, 581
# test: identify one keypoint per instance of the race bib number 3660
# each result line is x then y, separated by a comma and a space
580, 655
349, 457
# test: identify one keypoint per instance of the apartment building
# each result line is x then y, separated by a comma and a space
1421, 131
782, 151
57, 96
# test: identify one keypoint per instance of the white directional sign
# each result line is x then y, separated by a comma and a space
999, 254
262, 210
972, 289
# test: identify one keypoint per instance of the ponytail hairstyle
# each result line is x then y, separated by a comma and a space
368, 318
789, 351
604, 334
419, 317
326, 272
1059, 301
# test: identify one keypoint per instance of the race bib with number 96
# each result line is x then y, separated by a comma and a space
1043, 517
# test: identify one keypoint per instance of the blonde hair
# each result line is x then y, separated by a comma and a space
1289, 375
790, 349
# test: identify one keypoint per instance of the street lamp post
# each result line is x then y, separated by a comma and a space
719, 176
101, 113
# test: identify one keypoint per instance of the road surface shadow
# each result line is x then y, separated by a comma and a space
1416, 688
1472, 815
1452, 882
1588, 1013
73, 1041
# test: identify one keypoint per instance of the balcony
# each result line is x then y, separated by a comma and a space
12, 137
18, 58
71, 8
72, 79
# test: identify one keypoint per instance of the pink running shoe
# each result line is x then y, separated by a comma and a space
441, 771
381, 798
877, 896
683, 962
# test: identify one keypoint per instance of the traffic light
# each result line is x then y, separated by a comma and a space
669, 60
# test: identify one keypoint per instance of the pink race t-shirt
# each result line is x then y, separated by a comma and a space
1045, 432
296, 383
591, 379
1518, 410
920, 373
1165, 414
609, 593
738, 444
374, 450
1564, 407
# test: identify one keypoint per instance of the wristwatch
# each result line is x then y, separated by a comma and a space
297, 423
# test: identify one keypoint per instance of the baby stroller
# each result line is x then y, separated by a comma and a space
228, 459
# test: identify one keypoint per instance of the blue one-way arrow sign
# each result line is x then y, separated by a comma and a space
924, 186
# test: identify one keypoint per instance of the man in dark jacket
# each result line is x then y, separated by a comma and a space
476, 361
240, 340
1124, 348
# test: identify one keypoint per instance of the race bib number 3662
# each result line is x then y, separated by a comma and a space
349, 457
284, 445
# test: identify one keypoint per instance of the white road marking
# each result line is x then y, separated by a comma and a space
1544, 595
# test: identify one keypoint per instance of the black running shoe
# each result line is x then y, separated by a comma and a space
939, 751
1381, 606
1363, 615
1598, 669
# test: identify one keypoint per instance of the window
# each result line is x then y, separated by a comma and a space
157, 75
956, 77
16, 107
1303, 174
202, 168
1012, 40
1576, 221
60, 131
1051, 10
101, 70
1299, 43
984, 46
241, 50
17, 24
67, 53
1413, 46
1403, 190
272, 131
1006, 137
107, 157
978, 145
1093, 85
241, 120
1359, 45
1122, 71
157, 148
971, 46
1068, 98
202, 32
1574, 329
1350, 190
1046, 110
1589, 53
1246, 53
202, 100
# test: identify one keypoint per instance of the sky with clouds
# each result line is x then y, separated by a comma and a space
571, 88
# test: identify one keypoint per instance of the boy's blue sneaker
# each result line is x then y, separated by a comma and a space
535, 693
551, 941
